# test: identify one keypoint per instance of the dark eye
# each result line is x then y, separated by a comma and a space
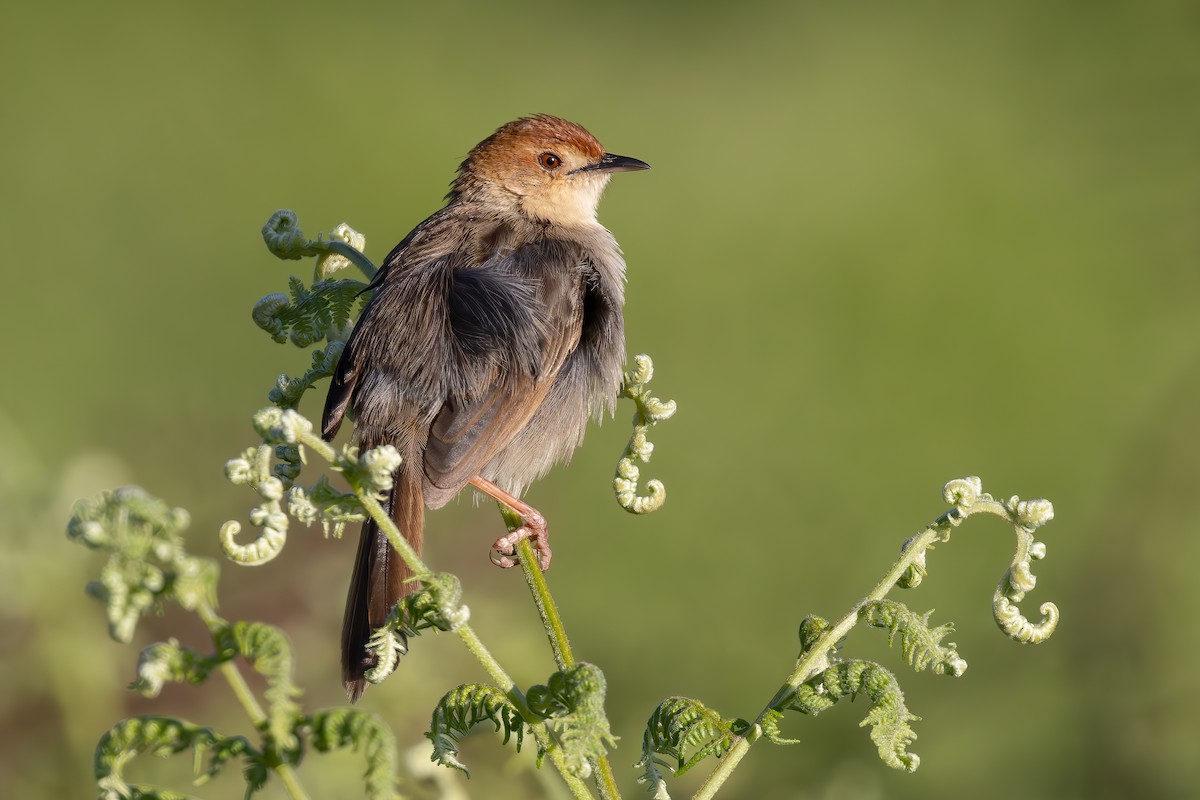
549, 161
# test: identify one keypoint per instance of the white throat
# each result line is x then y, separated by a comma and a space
571, 202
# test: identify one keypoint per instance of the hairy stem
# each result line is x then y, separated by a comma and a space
546, 608
812, 660
473, 643
560, 645
351, 253
556, 633
241, 690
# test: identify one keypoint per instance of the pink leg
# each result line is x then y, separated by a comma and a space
504, 551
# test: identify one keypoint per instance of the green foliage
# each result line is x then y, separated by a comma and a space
677, 726
463, 708
437, 606
888, 715
164, 736
1026, 517
312, 313
920, 645
142, 535
565, 716
324, 732
769, 725
649, 411
687, 731
288, 391
345, 727
267, 651
284, 434
253, 469
322, 503
573, 700
169, 661
147, 563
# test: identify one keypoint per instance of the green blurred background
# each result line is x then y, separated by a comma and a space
883, 245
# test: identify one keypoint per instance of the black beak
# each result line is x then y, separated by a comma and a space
611, 163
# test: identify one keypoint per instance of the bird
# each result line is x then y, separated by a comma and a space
495, 331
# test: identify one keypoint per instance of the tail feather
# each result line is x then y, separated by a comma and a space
380, 578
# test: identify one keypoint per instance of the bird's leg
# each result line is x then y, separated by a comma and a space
504, 551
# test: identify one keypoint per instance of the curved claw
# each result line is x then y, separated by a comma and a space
533, 527
504, 551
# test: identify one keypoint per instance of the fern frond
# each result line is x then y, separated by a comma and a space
169, 661
920, 644
438, 606
306, 316
310, 314
770, 727
289, 391
161, 736
678, 726
267, 651
147, 562
649, 412
572, 700
337, 728
463, 708
322, 503
888, 715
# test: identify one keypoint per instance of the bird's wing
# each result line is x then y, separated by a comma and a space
341, 391
517, 317
462, 348
383, 335
349, 366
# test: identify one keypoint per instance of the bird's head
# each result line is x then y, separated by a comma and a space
541, 167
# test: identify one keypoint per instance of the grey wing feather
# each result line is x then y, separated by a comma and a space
468, 432
473, 348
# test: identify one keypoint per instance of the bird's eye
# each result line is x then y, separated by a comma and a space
549, 161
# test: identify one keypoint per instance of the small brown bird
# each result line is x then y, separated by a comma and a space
494, 333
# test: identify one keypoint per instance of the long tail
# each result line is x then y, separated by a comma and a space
380, 577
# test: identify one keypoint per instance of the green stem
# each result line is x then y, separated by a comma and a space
354, 255
606, 781
289, 778
467, 634
241, 690
541, 733
535, 579
489, 662
232, 674
319, 446
556, 633
384, 520
473, 643
578, 788
809, 663
419, 568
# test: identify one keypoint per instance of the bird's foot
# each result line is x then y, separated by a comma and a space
504, 551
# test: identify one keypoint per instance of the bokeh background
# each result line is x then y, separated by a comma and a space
883, 245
